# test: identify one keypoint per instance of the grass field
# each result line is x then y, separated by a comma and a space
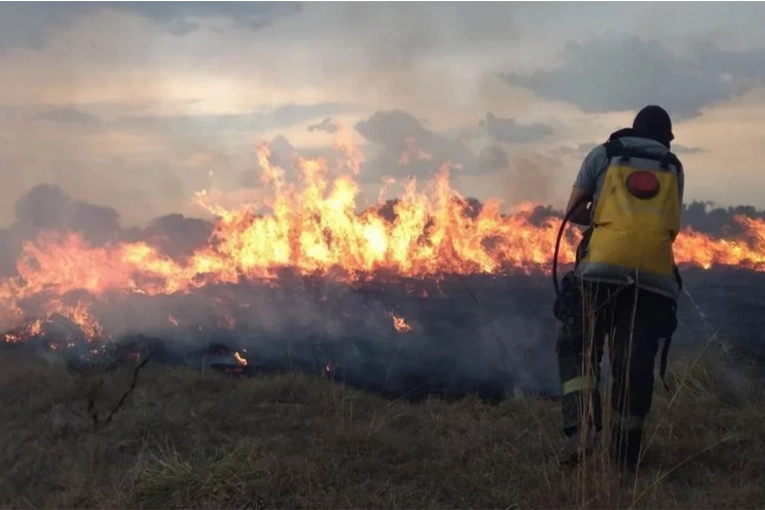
186, 439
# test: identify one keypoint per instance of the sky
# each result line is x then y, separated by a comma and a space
137, 105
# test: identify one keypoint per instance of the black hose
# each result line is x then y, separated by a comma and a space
566, 218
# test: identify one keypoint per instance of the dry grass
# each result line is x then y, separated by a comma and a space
186, 439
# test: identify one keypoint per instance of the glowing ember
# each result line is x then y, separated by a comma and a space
400, 324
240, 359
20, 334
313, 228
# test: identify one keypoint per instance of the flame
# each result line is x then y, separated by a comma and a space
27, 330
747, 251
240, 359
78, 313
399, 324
314, 227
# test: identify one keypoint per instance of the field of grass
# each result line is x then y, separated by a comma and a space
186, 439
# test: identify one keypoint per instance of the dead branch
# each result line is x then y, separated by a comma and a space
91, 400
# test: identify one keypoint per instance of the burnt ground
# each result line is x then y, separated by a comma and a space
453, 347
190, 439
491, 336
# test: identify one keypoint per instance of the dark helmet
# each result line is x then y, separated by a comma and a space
654, 122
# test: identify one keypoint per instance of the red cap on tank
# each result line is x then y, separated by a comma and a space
643, 184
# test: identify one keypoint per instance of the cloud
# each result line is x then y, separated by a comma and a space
493, 159
682, 149
581, 150
178, 17
68, 115
47, 207
163, 100
398, 55
325, 125
31, 25
398, 35
280, 117
619, 73
508, 130
408, 148
528, 176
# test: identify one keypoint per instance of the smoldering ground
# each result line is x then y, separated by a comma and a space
476, 333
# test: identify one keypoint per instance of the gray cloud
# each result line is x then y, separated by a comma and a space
178, 17
682, 149
493, 159
616, 73
393, 54
47, 207
283, 116
408, 148
394, 35
510, 131
31, 24
584, 148
529, 176
144, 165
325, 125
68, 114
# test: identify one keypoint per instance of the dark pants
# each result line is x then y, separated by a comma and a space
634, 322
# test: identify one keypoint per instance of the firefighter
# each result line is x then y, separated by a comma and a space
624, 286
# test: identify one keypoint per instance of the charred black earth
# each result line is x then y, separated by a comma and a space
475, 334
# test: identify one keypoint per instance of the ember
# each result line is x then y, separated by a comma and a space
399, 324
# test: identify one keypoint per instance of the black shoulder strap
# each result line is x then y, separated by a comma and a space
670, 159
615, 148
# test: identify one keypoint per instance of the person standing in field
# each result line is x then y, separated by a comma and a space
625, 284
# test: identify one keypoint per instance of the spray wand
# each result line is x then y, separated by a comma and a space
562, 229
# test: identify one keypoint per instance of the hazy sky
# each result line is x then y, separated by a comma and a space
131, 105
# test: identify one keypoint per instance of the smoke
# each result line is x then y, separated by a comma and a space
472, 333
47, 207
404, 52
174, 235
717, 221
508, 130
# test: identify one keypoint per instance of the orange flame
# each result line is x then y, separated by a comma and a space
314, 228
27, 330
399, 324
240, 359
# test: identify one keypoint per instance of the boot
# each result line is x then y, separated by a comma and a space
578, 447
625, 447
